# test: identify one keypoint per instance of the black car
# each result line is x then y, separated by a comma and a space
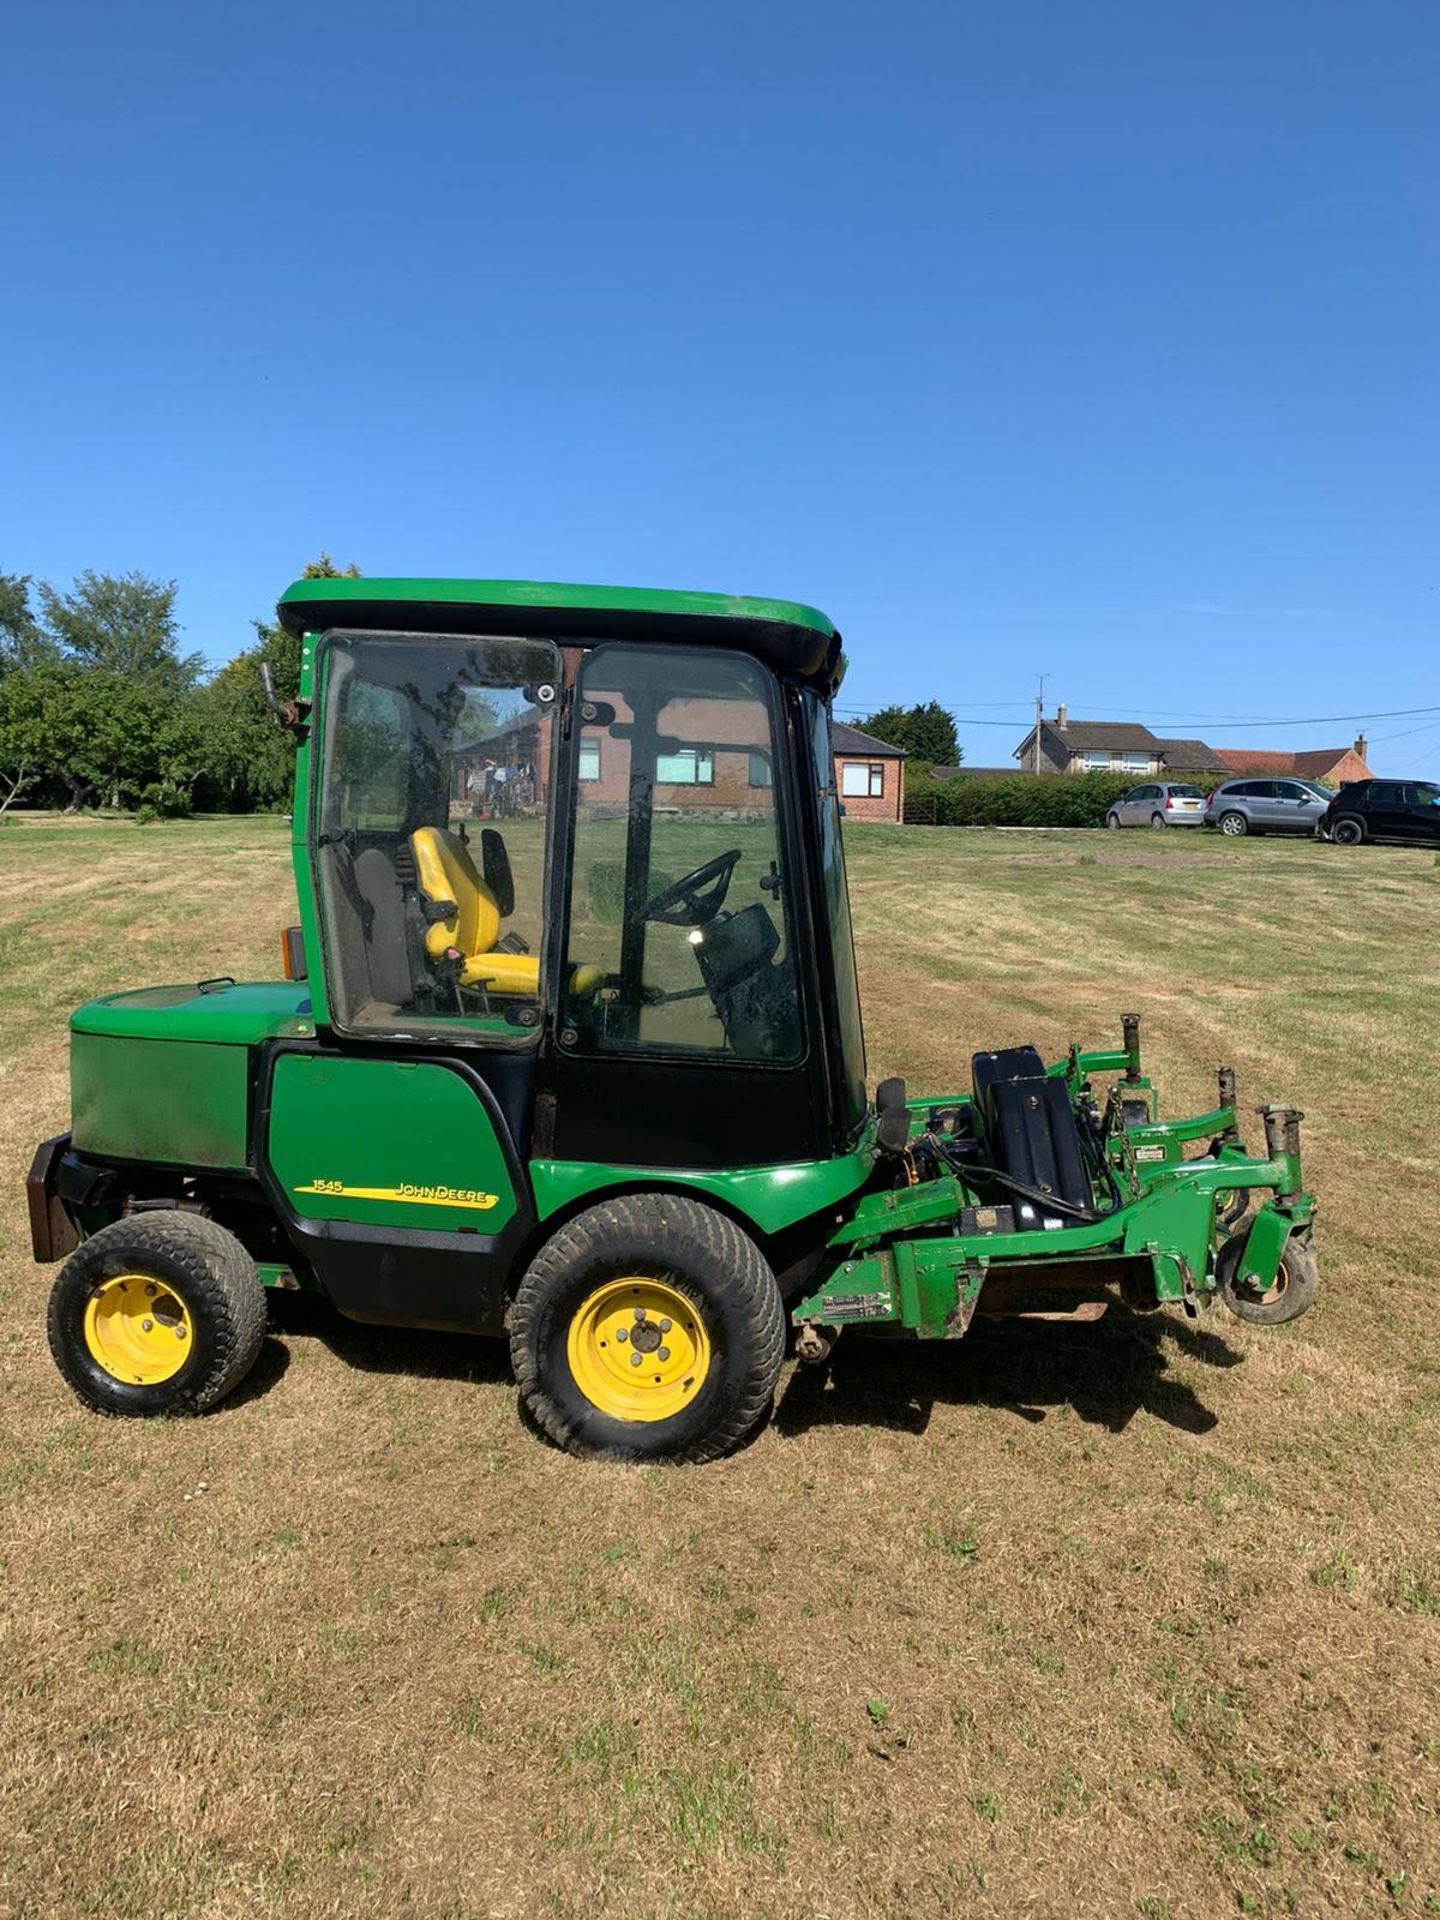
1403, 810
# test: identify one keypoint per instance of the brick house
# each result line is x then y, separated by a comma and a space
1111, 746
725, 764
1336, 766
869, 775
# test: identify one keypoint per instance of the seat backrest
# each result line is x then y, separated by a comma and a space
445, 871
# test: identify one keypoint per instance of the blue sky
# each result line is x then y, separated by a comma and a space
1095, 340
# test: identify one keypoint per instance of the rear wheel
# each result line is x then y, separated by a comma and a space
649, 1328
1348, 830
1297, 1283
1235, 824
1157, 819
158, 1313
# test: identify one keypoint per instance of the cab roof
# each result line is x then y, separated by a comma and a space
790, 638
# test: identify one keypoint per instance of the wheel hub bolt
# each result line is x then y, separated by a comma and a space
663, 1353
622, 1333
150, 1289
147, 1326
636, 1358
664, 1326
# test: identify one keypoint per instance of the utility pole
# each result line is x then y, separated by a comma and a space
1039, 715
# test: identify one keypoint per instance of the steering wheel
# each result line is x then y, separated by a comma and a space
687, 903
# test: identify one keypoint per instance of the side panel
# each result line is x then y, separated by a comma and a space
180, 1102
397, 1184
773, 1198
386, 1143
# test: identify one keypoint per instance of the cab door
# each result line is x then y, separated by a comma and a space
395, 1139
686, 899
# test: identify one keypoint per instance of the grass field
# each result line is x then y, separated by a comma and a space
1138, 1619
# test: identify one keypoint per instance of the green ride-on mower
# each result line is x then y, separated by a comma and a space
568, 1047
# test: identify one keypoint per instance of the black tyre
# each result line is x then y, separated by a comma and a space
158, 1313
1348, 830
649, 1328
1112, 821
1297, 1284
1157, 819
1235, 824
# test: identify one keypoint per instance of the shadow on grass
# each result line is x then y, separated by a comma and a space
412, 1350
1107, 1370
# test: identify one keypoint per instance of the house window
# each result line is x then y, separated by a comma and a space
589, 759
1098, 763
691, 767
862, 779
760, 771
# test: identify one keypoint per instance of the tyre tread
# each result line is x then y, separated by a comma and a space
217, 1265
724, 1245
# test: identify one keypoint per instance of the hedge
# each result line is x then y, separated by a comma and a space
1026, 799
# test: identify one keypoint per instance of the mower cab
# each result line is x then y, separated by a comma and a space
572, 1049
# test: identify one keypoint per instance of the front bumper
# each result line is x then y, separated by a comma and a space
52, 1232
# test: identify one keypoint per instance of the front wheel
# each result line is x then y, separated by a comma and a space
1297, 1283
157, 1313
649, 1328
1348, 831
1234, 824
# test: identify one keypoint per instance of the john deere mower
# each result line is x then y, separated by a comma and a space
568, 1048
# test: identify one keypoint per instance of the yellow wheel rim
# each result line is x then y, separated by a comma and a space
138, 1330
638, 1349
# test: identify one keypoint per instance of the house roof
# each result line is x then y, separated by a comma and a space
1311, 764
1191, 756
1124, 736
850, 740
1089, 736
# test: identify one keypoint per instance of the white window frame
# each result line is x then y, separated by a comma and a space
862, 779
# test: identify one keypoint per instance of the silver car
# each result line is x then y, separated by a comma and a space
1159, 803
1267, 806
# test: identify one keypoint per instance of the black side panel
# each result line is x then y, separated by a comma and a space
1029, 1124
1037, 1141
395, 1276
637, 1112
392, 1277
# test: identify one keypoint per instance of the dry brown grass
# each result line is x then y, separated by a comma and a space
1135, 1619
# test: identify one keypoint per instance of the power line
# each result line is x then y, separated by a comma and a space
1193, 719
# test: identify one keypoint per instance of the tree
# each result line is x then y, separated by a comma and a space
122, 624
925, 731
21, 642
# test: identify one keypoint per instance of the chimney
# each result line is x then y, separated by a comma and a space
1360, 745
1062, 716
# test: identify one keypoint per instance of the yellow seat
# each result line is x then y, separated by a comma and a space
445, 872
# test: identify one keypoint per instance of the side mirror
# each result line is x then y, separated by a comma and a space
290, 714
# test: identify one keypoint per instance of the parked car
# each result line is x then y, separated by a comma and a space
1267, 806
1159, 803
1403, 810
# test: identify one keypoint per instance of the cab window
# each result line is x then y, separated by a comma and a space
428, 837
680, 936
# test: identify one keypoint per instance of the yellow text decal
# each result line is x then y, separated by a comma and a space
410, 1196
